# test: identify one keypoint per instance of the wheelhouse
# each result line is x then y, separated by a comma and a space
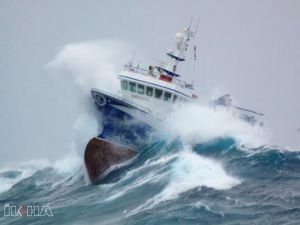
159, 83
151, 91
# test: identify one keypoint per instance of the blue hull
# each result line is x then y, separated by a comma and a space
120, 126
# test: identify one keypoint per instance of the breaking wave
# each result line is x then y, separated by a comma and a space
203, 167
169, 183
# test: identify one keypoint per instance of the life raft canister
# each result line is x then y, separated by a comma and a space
165, 77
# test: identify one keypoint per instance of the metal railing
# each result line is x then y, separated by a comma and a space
156, 74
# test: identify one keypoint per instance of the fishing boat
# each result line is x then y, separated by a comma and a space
146, 96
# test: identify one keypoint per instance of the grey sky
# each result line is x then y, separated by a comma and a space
250, 49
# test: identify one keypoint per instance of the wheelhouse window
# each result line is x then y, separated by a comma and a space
140, 89
149, 91
167, 96
132, 86
174, 98
124, 84
158, 93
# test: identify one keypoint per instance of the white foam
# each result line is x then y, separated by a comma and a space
68, 165
87, 64
87, 126
196, 123
26, 170
188, 172
7, 183
192, 170
154, 176
92, 63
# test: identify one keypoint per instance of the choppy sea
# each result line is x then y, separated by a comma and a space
218, 181
203, 167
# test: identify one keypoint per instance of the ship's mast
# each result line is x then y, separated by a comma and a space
181, 42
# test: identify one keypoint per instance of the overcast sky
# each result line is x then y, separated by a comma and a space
250, 49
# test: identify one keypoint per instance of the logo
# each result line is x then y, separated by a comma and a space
100, 99
27, 210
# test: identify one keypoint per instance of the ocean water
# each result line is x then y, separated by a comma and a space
202, 167
216, 182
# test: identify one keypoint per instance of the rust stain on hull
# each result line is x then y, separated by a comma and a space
100, 155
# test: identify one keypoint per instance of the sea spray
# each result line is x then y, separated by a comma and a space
91, 64
195, 123
172, 183
187, 172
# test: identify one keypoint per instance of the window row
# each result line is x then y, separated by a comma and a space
149, 91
